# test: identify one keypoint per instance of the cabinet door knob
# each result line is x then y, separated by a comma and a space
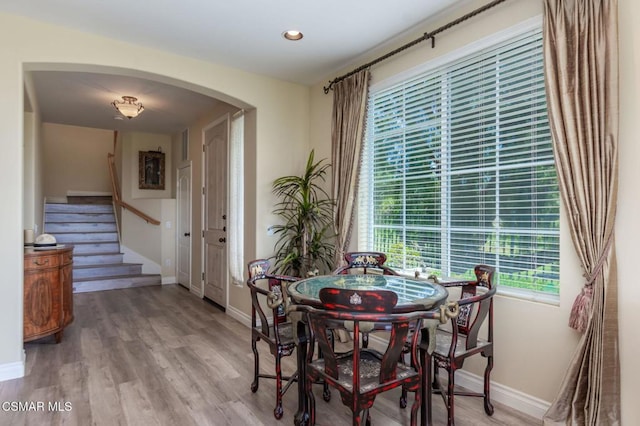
222, 239
187, 234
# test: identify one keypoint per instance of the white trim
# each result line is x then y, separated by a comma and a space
71, 193
187, 165
238, 315
471, 48
169, 280
12, 370
510, 397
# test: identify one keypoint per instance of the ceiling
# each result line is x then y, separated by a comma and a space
243, 34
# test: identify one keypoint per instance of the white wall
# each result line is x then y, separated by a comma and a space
279, 111
533, 342
33, 171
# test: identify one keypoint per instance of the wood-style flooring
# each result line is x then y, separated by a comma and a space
160, 356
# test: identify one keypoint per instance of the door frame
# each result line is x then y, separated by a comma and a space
191, 280
203, 210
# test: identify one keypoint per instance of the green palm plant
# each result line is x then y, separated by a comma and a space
305, 244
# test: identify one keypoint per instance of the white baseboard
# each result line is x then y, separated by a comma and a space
71, 193
169, 280
239, 316
12, 370
512, 398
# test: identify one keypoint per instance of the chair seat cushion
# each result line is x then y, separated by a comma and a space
369, 371
443, 343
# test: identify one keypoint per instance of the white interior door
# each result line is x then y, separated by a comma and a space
183, 194
216, 274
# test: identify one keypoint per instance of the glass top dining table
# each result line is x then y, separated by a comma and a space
413, 294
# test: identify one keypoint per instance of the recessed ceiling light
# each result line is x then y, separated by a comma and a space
292, 35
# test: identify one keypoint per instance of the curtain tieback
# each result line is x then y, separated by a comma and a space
581, 310
598, 267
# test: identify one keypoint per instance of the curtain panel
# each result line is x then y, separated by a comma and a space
350, 99
581, 75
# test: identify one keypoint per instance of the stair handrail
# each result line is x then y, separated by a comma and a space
116, 192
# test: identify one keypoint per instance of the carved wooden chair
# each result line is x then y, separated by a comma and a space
361, 373
464, 339
364, 262
279, 334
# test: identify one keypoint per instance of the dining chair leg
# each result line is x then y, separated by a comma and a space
488, 407
311, 401
358, 415
417, 403
302, 416
450, 397
278, 411
256, 366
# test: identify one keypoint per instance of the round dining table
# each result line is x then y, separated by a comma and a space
413, 295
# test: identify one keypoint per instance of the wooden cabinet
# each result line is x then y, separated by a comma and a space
48, 292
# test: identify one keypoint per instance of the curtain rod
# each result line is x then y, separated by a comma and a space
426, 36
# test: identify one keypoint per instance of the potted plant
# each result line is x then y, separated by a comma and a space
305, 245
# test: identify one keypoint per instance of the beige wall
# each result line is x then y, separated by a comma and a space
75, 159
133, 144
280, 117
627, 224
533, 342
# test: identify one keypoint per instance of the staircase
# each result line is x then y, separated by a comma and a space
97, 261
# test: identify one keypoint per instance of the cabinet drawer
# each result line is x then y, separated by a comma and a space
41, 262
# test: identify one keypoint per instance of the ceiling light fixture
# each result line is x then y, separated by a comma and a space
128, 106
292, 35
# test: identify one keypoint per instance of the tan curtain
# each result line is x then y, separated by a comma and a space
350, 97
581, 67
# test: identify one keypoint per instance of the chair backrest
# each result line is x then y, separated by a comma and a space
476, 305
258, 271
365, 262
371, 306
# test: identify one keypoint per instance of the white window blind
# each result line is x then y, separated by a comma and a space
458, 170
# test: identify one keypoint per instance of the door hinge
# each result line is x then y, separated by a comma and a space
203, 234
203, 276
203, 191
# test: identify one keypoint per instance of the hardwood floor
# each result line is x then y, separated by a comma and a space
161, 356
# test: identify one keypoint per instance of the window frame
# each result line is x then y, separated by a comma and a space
365, 232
